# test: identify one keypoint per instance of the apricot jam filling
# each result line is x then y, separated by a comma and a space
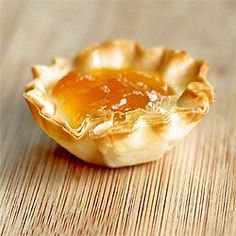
108, 91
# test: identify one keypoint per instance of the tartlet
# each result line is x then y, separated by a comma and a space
142, 135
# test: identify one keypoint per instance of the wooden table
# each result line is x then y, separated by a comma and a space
47, 191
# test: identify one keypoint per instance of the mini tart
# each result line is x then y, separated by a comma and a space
143, 135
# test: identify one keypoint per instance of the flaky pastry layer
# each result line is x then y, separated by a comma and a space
144, 135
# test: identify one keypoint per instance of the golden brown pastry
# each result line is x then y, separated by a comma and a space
117, 104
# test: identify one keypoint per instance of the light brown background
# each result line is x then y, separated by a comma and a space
45, 190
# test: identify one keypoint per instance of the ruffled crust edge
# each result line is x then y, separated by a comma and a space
109, 144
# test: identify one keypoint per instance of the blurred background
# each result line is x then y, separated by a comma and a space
33, 32
36, 31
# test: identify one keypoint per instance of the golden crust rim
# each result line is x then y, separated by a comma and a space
201, 89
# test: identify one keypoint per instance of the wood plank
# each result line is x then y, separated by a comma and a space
45, 190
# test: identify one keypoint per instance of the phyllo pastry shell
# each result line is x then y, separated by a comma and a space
118, 104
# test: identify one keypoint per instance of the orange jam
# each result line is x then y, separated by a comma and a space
107, 91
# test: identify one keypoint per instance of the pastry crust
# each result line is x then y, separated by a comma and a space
143, 136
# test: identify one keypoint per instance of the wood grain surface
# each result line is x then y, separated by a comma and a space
44, 190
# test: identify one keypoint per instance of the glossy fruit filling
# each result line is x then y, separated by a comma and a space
107, 92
